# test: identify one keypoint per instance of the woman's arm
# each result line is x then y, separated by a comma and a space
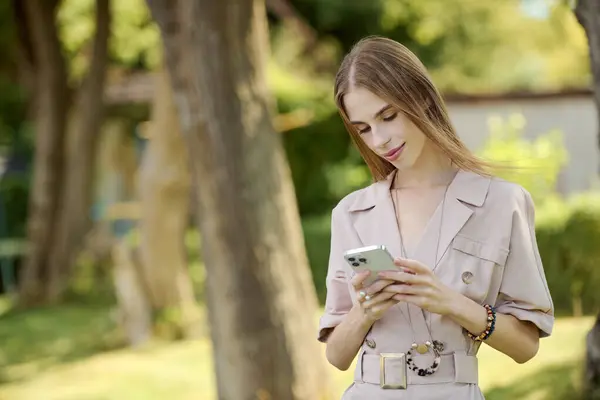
345, 340
517, 339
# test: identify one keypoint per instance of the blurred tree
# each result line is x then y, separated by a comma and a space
592, 362
588, 15
151, 276
134, 44
82, 141
44, 71
164, 182
260, 296
61, 189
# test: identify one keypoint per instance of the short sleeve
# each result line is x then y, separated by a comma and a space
338, 301
524, 290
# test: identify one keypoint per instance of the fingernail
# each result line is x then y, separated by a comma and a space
362, 294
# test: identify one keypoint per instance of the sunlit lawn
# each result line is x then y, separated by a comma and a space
71, 353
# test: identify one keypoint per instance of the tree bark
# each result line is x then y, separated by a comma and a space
592, 363
165, 193
82, 139
61, 195
135, 311
51, 104
260, 295
588, 15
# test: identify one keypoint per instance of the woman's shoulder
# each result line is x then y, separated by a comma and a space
356, 200
504, 193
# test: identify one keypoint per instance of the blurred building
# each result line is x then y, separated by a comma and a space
572, 112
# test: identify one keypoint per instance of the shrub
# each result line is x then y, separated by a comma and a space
534, 164
569, 241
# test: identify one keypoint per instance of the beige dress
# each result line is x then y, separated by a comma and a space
486, 250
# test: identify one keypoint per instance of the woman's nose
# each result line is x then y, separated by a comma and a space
379, 139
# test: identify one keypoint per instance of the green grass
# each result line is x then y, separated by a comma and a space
74, 352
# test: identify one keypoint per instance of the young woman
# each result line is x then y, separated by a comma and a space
468, 268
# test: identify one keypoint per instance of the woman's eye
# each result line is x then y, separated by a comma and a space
390, 117
364, 130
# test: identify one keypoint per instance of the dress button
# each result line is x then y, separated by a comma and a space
370, 343
467, 277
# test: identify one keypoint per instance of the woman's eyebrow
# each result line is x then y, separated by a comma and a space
377, 114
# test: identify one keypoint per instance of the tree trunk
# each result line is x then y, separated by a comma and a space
74, 216
165, 194
261, 299
592, 363
51, 104
588, 15
135, 311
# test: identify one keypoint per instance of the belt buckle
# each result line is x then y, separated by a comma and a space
382, 379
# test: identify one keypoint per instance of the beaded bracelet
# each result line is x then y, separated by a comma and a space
491, 325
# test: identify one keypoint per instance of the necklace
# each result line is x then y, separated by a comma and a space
430, 345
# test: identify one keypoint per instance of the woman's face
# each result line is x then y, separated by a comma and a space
387, 131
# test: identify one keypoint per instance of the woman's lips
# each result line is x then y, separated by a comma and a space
393, 154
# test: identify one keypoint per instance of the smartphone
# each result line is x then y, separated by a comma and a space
372, 258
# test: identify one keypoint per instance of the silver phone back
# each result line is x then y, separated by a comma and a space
372, 258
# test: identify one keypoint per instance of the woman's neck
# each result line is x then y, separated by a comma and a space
431, 169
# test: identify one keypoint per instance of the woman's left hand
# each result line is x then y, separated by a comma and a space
415, 283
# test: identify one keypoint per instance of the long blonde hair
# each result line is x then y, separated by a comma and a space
391, 71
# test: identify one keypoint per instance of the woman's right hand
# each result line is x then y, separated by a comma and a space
372, 300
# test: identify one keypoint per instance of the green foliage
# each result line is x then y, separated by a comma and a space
312, 150
472, 46
568, 234
349, 175
534, 164
317, 237
135, 41
15, 184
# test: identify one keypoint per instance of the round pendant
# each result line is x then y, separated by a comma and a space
410, 362
422, 348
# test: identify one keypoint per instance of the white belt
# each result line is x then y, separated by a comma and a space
390, 372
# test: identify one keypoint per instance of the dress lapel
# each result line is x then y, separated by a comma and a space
374, 217
375, 223
467, 190
375, 220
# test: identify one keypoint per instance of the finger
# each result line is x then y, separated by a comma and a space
412, 265
382, 307
360, 296
417, 300
402, 277
406, 289
358, 279
378, 298
378, 286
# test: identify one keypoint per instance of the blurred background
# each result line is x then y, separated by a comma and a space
168, 169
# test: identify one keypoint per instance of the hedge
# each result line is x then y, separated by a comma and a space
568, 234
